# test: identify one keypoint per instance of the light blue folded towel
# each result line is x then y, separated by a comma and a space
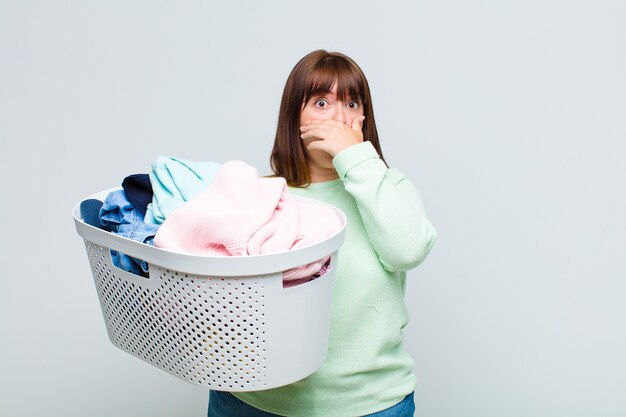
174, 182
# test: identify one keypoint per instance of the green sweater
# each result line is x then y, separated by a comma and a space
367, 368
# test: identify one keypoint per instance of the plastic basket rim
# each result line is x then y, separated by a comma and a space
152, 253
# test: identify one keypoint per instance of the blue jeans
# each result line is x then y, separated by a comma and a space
225, 404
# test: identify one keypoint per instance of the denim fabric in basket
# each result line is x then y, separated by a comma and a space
122, 218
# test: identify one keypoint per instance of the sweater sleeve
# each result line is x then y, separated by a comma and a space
391, 208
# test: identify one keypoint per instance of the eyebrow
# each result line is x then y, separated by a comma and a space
330, 93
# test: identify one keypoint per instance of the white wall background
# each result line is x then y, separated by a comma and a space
508, 116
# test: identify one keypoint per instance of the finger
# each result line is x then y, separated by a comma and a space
311, 124
322, 122
315, 133
318, 130
309, 121
357, 123
316, 144
314, 126
327, 122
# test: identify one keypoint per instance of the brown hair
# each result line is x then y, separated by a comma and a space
315, 74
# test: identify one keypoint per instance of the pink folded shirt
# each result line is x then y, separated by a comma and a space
240, 214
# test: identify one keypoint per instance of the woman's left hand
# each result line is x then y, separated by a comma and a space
332, 136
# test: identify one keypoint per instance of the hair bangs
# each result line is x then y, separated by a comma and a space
324, 75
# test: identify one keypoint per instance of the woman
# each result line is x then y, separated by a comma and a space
327, 148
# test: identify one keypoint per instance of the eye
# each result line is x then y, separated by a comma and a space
322, 100
353, 105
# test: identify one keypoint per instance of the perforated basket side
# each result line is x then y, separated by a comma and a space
219, 322
208, 331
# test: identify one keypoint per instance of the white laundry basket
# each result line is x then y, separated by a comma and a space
224, 323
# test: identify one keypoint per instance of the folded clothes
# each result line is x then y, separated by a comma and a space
174, 182
240, 214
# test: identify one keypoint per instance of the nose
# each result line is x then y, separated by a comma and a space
340, 113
